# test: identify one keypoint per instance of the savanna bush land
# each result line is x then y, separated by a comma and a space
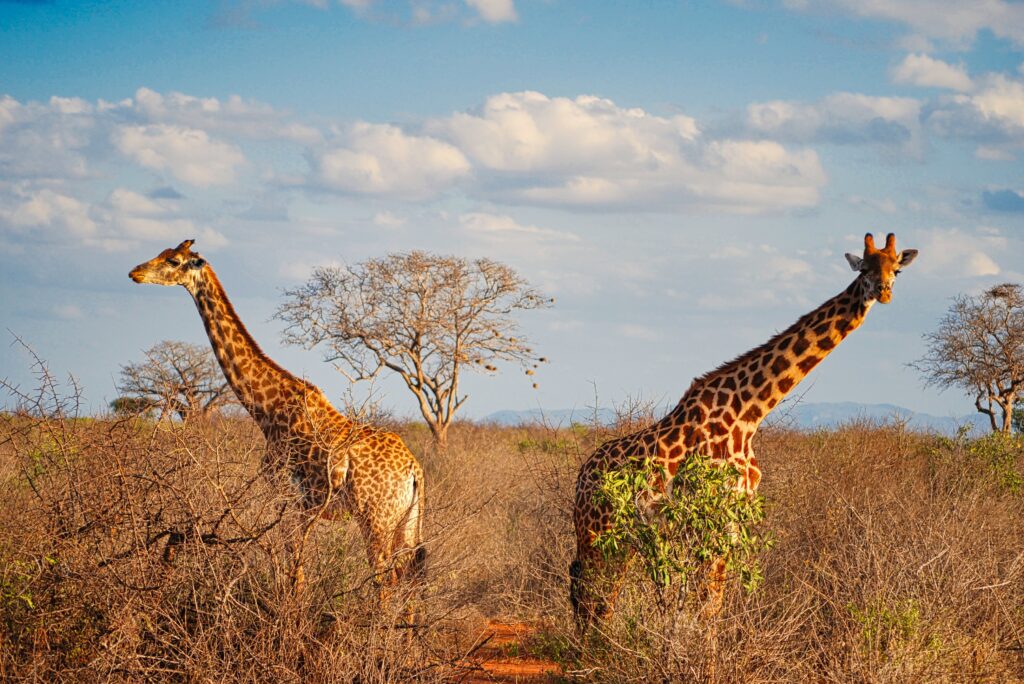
132, 550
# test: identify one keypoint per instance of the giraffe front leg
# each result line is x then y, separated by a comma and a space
713, 589
594, 585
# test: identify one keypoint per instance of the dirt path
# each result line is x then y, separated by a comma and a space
503, 656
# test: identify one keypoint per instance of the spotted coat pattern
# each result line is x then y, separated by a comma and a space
338, 465
718, 417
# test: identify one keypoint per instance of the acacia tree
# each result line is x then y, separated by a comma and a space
979, 347
426, 317
176, 377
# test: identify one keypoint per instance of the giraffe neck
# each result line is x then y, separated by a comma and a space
247, 369
746, 389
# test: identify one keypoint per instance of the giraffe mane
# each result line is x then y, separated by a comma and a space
772, 342
260, 354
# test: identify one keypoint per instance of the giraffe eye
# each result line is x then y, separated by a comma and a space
173, 262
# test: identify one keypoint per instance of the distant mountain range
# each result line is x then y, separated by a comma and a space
803, 416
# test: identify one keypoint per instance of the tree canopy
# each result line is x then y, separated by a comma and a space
979, 348
425, 317
176, 378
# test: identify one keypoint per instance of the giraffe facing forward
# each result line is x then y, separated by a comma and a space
337, 464
717, 418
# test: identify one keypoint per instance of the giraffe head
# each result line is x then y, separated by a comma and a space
177, 266
879, 267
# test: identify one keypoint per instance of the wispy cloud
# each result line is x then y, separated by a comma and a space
953, 21
925, 71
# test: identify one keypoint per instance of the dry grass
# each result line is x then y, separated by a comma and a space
898, 557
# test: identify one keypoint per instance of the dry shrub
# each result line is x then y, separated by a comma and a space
898, 557
134, 551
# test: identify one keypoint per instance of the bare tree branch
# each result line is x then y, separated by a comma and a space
422, 316
177, 378
979, 347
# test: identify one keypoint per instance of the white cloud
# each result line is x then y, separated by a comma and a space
50, 214
190, 154
922, 70
67, 137
955, 21
494, 11
501, 227
993, 153
129, 218
958, 253
589, 152
44, 140
387, 219
993, 113
380, 159
232, 116
639, 332
840, 118
122, 221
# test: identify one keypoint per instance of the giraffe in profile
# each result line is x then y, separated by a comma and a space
717, 418
338, 465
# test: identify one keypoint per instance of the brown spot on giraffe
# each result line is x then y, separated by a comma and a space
338, 464
809, 363
753, 414
773, 369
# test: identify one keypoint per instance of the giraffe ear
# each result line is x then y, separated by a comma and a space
855, 261
907, 256
197, 262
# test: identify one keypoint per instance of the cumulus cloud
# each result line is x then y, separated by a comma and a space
494, 11
387, 219
381, 159
123, 220
959, 253
129, 218
589, 152
993, 113
840, 118
188, 153
234, 115
502, 227
69, 138
955, 21
45, 139
925, 71
48, 214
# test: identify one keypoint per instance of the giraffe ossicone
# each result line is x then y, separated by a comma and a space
339, 465
717, 418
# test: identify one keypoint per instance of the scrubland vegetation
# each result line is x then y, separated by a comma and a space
136, 551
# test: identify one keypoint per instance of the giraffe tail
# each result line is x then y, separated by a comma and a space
416, 568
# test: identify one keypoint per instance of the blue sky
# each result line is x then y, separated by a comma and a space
683, 177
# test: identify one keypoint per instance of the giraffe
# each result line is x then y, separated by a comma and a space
718, 417
338, 465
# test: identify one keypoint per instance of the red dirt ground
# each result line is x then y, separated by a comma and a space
503, 656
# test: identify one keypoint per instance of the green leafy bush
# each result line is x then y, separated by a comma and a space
699, 517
